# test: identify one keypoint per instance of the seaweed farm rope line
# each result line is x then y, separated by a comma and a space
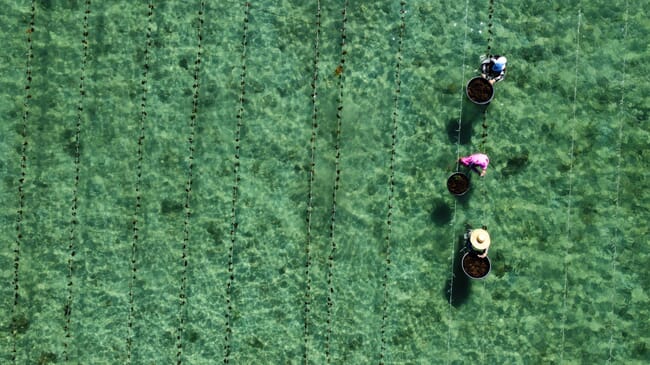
235, 191
571, 161
21, 183
462, 95
483, 149
568, 220
337, 178
484, 134
483, 188
391, 182
483, 210
310, 195
75, 190
490, 31
484, 124
453, 219
138, 182
487, 54
188, 187
619, 145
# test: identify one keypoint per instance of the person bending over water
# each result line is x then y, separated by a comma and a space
494, 68
476, 161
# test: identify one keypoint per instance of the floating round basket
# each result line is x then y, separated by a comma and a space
479, 90
476, 267
458, 183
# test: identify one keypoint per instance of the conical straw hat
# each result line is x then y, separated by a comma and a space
480, 239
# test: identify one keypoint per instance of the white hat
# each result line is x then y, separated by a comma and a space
480, 239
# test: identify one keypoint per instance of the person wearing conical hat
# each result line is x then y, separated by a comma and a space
493, 68
478, 240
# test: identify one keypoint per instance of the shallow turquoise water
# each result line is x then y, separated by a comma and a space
564, 198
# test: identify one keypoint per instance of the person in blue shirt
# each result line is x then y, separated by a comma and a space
493, 68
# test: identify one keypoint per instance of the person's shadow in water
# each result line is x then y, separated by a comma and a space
458, 287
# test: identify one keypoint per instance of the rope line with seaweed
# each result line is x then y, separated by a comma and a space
21, 183
483, 148
484, 123
310, 195
615, 235
488, 51
235, 191
490, 31
75, 191
188, 188
337, 178
138, 182
453, 219
391, 182
570, 188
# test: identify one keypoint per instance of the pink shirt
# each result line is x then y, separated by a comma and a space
477, 159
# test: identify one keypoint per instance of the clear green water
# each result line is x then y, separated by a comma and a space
565, 197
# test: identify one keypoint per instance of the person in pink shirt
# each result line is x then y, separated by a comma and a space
476, 160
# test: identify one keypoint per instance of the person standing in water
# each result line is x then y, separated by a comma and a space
493, 68
475, 161
478, 241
